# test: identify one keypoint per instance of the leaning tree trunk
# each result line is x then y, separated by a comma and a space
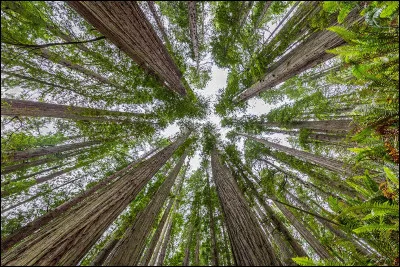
279, 226
10, 156
328, 126
214, 244
130, 248
193, 30
330, 164
160, 227
32, 174
267, 4
249, 244
14, 107
306, 55
314, 243
68, 238
101, 257
136, 38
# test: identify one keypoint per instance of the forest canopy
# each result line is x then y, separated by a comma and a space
119, 146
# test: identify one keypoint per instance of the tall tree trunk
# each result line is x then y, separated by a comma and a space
286, 252
197, 249
193, 30
32, 174
279, 226
329, 126
227, 246
330, 164
306, 55
160, 260
65, 240
24, 165
267, 4
188, 243
314, 243
249, 244
34, 197
43, 151
14, 107
31, 227
160, 227
103, 254
160, 26
130, 247
214, 245
125, 25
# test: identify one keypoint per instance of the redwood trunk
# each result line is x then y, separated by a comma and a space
249, 244
130, 248
163, 250
214, 245
193, 30
125, 25
14, 107
101, 257
68, 238
329, 126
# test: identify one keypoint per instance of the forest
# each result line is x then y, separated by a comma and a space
200, 133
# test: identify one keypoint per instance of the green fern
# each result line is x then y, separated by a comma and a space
376, 227
304, 261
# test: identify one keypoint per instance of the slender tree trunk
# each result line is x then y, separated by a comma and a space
188, 243
193, 30
136, 38
314, 243
160, 227
44, 151
101, 257
267, 4
68, 238
214, 245
249, 243
13, 107
129, 249
330, 164
329, 126
197, 249
227, 246
279, 226
306, 55
160, 260
34, 197
160, 26
31, 175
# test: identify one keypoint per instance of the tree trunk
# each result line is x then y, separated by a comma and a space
249, 244
14, 107
227, 246
33, 197
160, 227
31, 175
101, 257
314, 243
160, 260
306, 55
279, 226
267, 4
130, 247
44, 151
193, 30
197, 249
160, 26
329, 126
214, 245
68, 238
330, 164
31, 227
136, 38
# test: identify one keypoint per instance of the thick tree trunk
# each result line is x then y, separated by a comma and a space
50, 150
125, 25
68, 238
249, 244
214, 245
14, 107
306, 55
314, 243
130, 248
31, 227
330, 164
193, 30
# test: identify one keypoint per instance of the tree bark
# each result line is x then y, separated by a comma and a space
101, 257
188, 243
31, 175
249, 244
214, 245
130, 247
68, 238
14, 107
193, 30
330, 164
160, 260
306, 55
44, 151
160, 26
125, 25
227, 246
329, 126
314, 243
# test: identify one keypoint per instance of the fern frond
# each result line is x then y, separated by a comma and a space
376, 227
